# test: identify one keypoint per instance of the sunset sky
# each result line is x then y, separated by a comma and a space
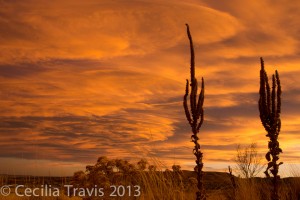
83, 79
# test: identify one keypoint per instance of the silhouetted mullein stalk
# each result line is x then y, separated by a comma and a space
194, 116
269, 108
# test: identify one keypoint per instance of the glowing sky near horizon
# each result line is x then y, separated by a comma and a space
83, 79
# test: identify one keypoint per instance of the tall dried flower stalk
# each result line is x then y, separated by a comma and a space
269, 108
194, 116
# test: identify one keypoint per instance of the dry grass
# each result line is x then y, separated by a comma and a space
181, 185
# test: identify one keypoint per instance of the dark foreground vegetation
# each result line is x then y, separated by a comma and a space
155, 183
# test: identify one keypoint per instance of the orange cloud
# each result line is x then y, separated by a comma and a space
79, 80
104, 29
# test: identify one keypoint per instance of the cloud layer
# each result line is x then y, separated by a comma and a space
80, 80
